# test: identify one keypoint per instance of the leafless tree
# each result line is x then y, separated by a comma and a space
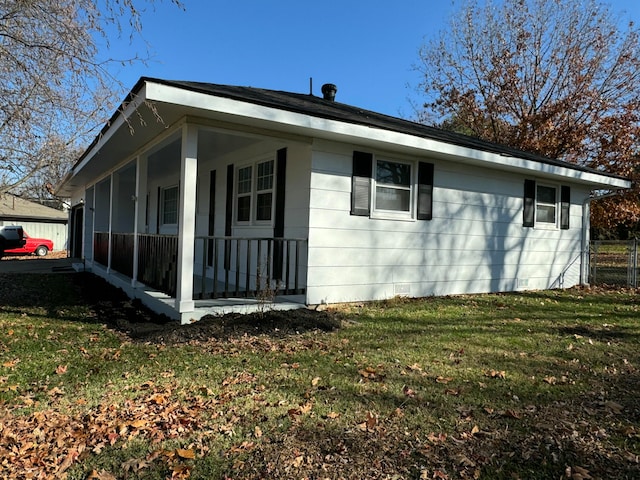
57, 89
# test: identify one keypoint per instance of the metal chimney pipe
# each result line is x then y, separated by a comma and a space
329, 92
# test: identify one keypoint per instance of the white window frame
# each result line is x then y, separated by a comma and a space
244, 194
556, 205
412, 188
254, 192
163, 205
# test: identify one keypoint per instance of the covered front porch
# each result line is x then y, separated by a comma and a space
237, 275
195, 221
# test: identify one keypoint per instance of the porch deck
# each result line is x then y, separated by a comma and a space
163, 303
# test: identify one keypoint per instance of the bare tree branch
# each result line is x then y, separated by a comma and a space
56, 87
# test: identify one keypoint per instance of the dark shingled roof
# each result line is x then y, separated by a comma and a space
311, 105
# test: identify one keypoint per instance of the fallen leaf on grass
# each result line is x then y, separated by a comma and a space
294, 413
139, 423
157, 398
180, 472
408, 392
577, 473
55, 391
61, 369
439, 438
11, 363
134, 465
495, 374
370, 373
464, 461
370, 423
101, 475
512, 414
614, 407
68, 461
444, 380
243, 447
186, 453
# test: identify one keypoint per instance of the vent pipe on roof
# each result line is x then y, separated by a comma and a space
329, 91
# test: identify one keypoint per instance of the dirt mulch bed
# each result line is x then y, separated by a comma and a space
130, 317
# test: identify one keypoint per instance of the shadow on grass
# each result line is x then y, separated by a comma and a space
531, 428
91, 299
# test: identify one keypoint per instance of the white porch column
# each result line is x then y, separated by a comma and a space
90, 215
187, 218
111, 193
139, 220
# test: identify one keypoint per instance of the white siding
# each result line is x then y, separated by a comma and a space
475, 242
88, 224
296, 198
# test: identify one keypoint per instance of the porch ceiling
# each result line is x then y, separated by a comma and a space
140, 134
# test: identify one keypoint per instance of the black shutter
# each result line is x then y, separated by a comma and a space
228, 218
565, 202
212, 215
425, 191
529, 203
278, 223
361, 183
158, 210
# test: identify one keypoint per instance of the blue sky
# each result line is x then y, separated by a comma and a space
367, 48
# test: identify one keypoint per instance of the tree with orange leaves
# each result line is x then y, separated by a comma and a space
560, 78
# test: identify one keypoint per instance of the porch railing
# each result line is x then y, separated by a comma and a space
224, 266
158, 262
249, 267
157, 257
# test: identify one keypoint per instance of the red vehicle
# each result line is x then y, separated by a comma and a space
37, 246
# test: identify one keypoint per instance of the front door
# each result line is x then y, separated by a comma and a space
77, 214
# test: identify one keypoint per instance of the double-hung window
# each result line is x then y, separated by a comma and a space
169, 205
243, 194
546, 205
393, 187
264, 191
254, 192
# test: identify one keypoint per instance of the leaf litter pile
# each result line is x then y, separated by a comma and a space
300, 394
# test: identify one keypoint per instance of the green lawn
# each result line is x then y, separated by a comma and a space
541, 385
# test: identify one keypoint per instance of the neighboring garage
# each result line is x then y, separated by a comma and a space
37, 220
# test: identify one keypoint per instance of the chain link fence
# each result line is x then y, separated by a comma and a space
614, 263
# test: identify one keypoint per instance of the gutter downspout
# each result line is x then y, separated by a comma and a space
586, 224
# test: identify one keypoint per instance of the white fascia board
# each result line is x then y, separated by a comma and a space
116, 123
349, 132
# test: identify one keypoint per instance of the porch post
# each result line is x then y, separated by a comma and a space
111, 193
187, 218
140, 211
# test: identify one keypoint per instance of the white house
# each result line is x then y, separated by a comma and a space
198, 196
